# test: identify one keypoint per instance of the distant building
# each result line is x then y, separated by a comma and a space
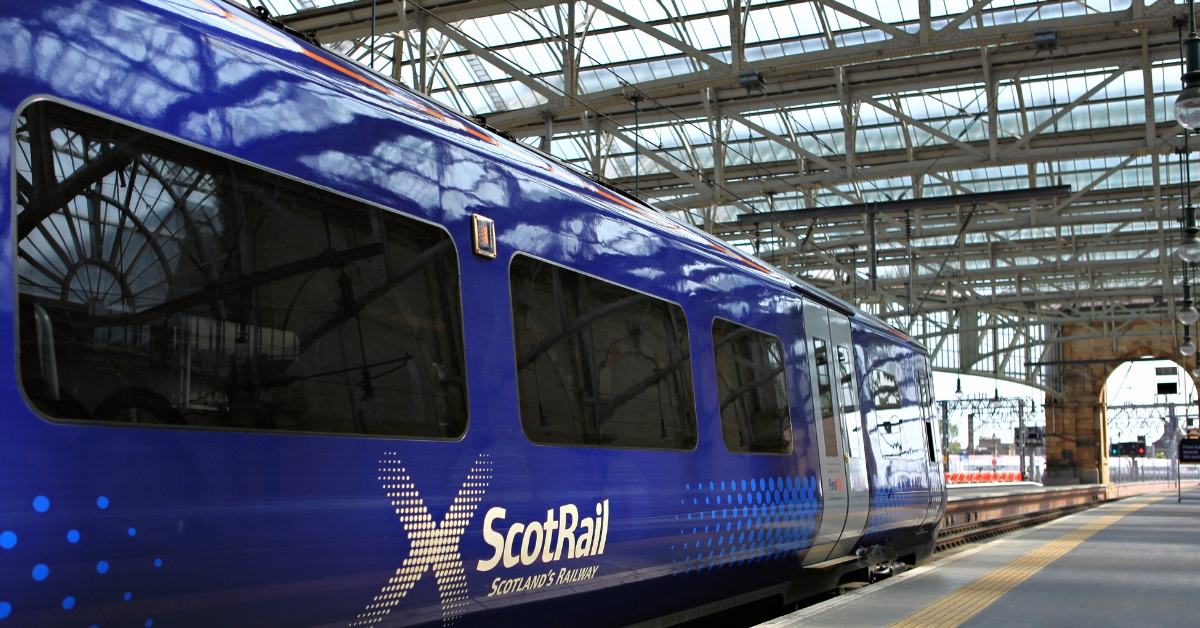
994, 447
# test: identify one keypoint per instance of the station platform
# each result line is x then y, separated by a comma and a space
959, 492
1129, 562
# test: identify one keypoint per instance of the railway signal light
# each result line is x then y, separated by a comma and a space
1135, 449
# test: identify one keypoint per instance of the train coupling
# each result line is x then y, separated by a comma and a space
887, 570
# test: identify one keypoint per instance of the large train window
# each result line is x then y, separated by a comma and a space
599, 364
752, 389
160, 284
887, 424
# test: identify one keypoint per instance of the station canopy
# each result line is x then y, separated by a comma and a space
978, 173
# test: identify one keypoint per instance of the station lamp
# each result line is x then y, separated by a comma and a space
1189, 248
1187, 104
1188, 315
1187, 348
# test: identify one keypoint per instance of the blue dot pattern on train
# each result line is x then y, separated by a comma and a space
743, 521
887, 506
42, 572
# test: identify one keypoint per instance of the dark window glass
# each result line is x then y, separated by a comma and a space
888, 426
932, 455
927, 411
159, 284
825, 397
753, 390
598, 364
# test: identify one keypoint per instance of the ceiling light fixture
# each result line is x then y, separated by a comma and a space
1187, 104
1189, 248
1188, 315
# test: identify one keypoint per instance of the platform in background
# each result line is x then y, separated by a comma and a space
1137, 570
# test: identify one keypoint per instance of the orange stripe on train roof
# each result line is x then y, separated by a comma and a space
355, 75
739, 256
272, 35
330, 63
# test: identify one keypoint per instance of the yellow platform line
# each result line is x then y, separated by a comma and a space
965, 603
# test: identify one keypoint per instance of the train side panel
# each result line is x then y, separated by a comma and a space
904, 488
194, 527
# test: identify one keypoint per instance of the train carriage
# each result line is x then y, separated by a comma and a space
293, 345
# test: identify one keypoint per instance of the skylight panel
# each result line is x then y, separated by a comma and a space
706, 36
644, 11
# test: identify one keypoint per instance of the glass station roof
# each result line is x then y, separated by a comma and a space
1067, 109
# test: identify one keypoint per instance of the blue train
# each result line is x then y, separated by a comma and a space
295, 346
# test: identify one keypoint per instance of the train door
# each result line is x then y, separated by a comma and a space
932, 438
852, 433
827, 332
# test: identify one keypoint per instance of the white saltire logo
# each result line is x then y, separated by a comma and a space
430, 545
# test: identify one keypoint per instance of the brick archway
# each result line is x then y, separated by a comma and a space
1076, 427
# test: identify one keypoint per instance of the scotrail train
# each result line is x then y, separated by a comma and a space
295, 346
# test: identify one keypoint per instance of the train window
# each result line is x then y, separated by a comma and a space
825, 397
927, 415
849, 400
160, 284
599, 364
887, 423
751, 386
929, 448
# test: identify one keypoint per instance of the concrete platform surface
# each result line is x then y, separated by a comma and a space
1132, 562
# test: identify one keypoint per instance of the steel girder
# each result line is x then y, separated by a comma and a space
706, 148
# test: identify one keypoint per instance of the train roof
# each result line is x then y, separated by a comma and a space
398, 100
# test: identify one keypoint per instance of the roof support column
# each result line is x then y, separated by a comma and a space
848, 118
1152, 148
872, 256
716, 128
400, 39
926, 22
423, 52
570, 72
990, 84
594, 156
736, 39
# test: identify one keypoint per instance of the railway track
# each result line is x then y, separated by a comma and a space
979, 516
